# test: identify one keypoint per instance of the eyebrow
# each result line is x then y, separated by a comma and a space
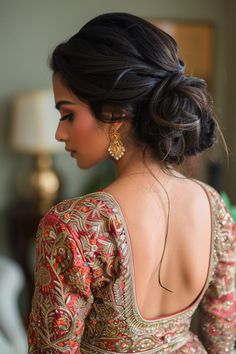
61, 103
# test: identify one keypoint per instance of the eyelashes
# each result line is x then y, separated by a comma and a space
68, 117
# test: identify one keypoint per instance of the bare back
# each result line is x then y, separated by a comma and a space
185, 264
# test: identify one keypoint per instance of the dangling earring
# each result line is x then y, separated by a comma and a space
116, 148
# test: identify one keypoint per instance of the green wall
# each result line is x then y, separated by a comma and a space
29, 30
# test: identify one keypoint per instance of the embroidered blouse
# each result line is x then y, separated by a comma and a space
84, 300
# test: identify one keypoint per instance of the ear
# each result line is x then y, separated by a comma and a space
114, 114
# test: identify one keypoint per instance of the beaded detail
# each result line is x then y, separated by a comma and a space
84, 299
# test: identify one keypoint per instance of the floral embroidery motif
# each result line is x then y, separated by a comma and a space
84, 296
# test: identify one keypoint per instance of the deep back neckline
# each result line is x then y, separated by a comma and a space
192, 306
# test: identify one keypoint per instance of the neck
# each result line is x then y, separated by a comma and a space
135, 161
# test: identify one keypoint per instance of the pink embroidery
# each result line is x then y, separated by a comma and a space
84, 297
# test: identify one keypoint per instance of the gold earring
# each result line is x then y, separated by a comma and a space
116, 148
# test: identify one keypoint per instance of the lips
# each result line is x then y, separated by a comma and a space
72, 152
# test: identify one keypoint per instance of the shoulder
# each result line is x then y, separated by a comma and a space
215, 199
88, 220
85, 220
83, 225
219, 208
89, 208
218, 203
223, 224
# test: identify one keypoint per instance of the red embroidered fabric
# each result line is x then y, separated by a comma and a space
84, 298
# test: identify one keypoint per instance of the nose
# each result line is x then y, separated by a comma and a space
61, 134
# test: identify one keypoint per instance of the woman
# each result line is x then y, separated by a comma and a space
124, 269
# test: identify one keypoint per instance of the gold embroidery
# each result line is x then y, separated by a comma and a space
85, 286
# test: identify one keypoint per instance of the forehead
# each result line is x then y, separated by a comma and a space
61, 91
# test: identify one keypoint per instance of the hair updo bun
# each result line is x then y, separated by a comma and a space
124, 63
181, 118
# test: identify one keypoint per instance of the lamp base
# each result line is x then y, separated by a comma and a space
42, 185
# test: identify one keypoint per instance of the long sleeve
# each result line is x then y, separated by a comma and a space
63, 296
217, 308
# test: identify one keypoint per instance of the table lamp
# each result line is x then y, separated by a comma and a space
33, 133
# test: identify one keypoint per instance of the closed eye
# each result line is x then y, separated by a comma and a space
67, 117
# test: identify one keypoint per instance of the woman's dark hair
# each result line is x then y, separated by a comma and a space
121, 63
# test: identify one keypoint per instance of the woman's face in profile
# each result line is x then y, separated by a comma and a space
85, 138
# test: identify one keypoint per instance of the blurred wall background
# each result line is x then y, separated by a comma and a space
30, 29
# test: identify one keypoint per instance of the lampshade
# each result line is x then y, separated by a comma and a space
34, 123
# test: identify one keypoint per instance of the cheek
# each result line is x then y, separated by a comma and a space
88, 133
82, 129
